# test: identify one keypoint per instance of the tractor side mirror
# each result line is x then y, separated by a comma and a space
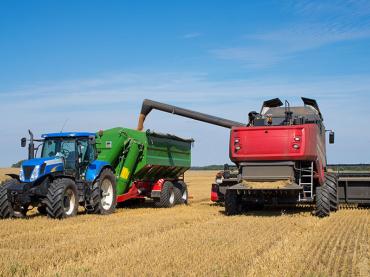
23, 142
331, 137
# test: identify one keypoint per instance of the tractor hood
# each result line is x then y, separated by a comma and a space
32, 170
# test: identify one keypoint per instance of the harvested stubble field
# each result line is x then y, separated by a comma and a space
193, 240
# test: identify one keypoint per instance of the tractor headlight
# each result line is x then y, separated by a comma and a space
35, 173
21, 175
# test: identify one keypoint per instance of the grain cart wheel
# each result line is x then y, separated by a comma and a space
104, 193
322, 202
167, 197
6, 208
62, 199
181, 192
232, 202
331, 185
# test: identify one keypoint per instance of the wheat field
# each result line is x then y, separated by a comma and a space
193, 240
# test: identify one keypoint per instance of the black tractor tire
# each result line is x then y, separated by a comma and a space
62, 199
331, 185
322, 202
181, 192
232, 202
6, 207
167, 196
104, 189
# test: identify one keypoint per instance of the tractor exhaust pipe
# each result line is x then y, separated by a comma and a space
149, 105
31, 147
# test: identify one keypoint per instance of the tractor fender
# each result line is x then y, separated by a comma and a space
94, 169
14, 176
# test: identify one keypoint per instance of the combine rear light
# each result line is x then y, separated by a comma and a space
236, 141
295, 146
237, 148
297, 138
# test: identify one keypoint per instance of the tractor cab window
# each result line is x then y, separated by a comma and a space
62, 147
86, 151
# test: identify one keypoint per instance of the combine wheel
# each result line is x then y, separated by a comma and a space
331, 185
181, 192
104, 194
167, 197
62, 199
232, 202
6, 208
322, 202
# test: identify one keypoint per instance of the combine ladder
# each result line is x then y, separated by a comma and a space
306, 182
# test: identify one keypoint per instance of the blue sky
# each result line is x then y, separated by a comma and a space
93, 62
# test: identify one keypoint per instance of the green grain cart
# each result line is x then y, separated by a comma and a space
146, 164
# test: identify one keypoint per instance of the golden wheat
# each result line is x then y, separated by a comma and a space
195, 240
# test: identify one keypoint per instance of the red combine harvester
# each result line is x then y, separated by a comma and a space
280, 158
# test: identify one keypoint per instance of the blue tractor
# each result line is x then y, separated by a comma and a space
65, 175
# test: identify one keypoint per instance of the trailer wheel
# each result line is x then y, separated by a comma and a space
181, 192
322, 202
6, 208
62, 199
331, 185
232, 202
104, 193
167, 196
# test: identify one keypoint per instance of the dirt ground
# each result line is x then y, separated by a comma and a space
195, 240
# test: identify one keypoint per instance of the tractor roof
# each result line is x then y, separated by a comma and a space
68, 134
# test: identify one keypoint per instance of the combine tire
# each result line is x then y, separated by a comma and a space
167, 197
331, 185
104, 194
6, 208
62, 199
322, 202
181, 192
232, 202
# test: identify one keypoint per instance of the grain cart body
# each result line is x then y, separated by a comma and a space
143, 161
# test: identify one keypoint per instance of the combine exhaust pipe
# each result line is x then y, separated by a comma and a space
149, 105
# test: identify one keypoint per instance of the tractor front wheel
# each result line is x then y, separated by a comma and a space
62, 199
6, 207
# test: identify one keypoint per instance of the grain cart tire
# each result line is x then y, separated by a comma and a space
232, 202
181, 192
62, 199
322, 202
104, 193
6, 208
331, 185
167, 196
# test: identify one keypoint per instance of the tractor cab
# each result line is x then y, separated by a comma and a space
67, 153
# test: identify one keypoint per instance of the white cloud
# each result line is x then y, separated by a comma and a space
348, 20
192, 35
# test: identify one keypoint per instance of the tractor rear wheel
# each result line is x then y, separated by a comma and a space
181, 192
331, 185
232, 202
6, 207
104, 193
62, 199
322, 202
167, 196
